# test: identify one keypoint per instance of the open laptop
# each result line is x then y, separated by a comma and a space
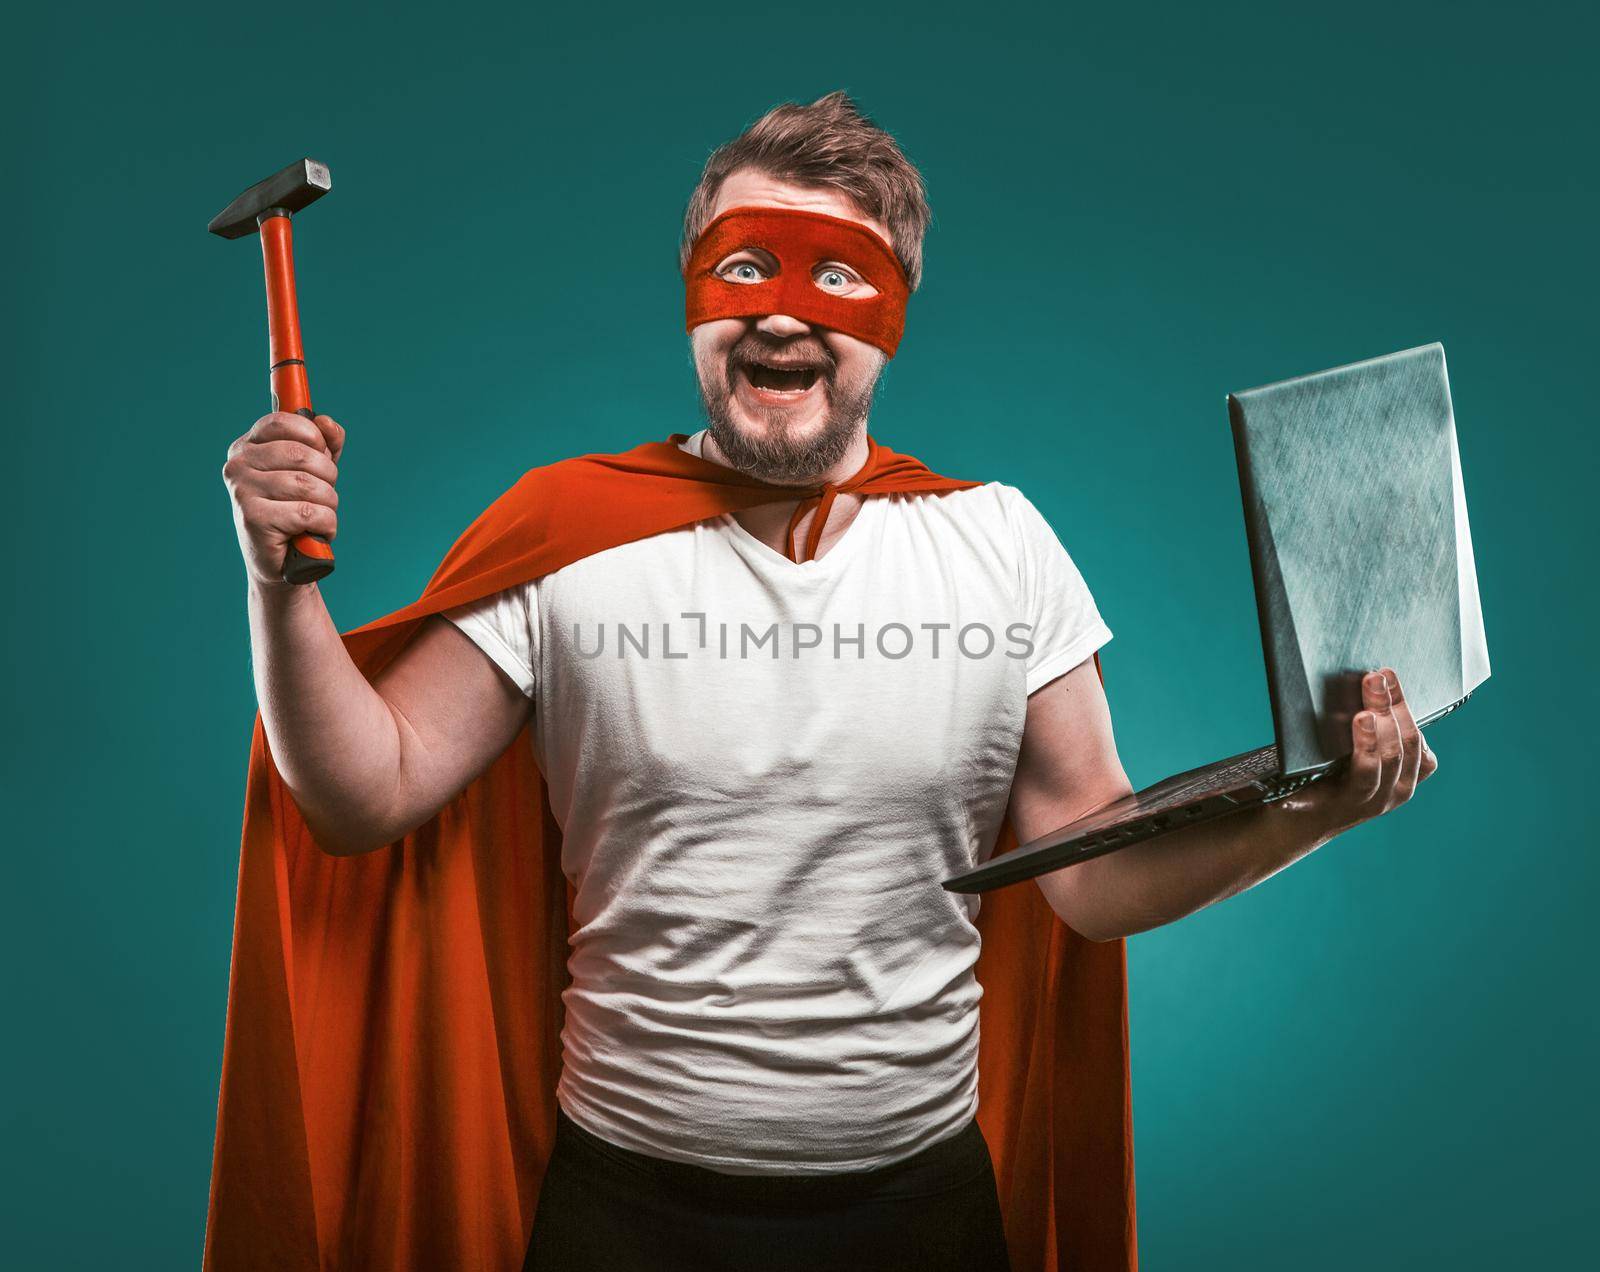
1357, 523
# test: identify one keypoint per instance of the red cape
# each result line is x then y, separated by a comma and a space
393, 1030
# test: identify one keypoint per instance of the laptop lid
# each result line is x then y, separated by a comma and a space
1357, 524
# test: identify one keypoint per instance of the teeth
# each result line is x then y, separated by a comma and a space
757, 371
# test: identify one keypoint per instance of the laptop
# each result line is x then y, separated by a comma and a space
1357, 526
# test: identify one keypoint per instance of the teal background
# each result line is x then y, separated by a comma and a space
1381, 1058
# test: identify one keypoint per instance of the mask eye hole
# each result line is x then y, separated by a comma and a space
747, 265
840, 280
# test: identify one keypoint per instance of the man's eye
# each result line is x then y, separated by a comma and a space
833, 279
743, 272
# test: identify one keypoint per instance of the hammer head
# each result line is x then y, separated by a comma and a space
298, 185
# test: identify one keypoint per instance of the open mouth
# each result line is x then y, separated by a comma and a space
778, 379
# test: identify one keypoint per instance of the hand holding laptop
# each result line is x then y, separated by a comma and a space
1356, 520
1388, 758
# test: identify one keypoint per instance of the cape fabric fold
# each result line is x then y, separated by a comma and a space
393, 1028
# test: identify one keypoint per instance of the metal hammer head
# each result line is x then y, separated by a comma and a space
298, 185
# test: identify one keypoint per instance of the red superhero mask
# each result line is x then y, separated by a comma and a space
801, 242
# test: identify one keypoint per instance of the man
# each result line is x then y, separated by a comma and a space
766, 736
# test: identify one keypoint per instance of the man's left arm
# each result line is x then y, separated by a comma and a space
1068, 767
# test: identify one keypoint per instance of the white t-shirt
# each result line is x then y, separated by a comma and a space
762, 769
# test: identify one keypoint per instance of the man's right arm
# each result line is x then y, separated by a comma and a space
365, 761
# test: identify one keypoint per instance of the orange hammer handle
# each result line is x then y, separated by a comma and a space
308, 557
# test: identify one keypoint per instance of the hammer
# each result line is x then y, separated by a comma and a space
269, 205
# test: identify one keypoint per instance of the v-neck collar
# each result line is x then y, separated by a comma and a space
830, 561
755, 548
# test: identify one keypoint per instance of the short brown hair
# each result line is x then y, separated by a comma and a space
828, 143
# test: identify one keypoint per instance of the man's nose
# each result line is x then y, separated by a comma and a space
782, 325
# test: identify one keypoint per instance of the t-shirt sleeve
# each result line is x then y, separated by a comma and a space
503, 625
1066, 625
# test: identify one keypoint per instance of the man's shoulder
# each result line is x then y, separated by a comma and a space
965, 499
1004, 514
994, 504
977, 523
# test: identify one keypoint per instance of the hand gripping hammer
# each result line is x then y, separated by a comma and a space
269, 205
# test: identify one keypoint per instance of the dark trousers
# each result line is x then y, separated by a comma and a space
607, 1209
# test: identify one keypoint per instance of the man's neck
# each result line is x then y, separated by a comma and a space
767, 522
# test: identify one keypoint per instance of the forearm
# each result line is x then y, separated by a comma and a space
1068, 768
334, 739
1148, 884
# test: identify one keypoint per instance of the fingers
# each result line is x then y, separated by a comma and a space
1391, 753
285, 454
1375, 750
282, 473
1410, 739
1366, 765
291, 517
332, 432
1388, 754
293, 484
281, 425
1418, 753
283, 469
1398, 704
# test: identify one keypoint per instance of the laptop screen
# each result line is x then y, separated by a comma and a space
1357, 523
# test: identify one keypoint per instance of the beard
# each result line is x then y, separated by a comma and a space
777, 453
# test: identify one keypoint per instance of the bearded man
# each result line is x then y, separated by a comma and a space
777, 682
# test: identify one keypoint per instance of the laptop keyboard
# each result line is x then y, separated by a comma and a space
1224, 775
1133, 817
1175, 792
